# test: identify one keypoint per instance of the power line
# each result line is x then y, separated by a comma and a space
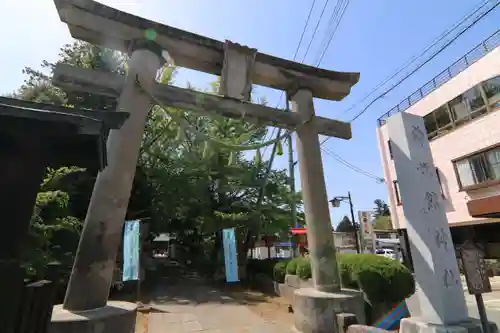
294, 56
426, 61
423, 63
351, 166
315, 30
342, 7
421, 54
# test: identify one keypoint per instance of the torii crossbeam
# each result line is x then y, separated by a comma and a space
239, 67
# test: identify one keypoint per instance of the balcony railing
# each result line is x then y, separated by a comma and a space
457, 67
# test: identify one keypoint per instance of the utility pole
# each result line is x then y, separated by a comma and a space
356, 234
293, 205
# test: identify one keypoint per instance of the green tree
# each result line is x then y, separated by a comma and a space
184, 186
345, 225
382, 223
382, 216
381, 208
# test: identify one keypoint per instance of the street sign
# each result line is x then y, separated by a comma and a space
474, 267
365, 221
476, 276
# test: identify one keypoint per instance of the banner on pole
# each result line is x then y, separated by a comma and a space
230, 254
365, 220
131, 244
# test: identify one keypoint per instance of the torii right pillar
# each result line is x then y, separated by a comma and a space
316, 309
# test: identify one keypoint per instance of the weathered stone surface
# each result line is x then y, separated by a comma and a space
440, 292
316, 311
324, 270
115, 317
365, 329
92, 273
420, 325
344, 321
294, 281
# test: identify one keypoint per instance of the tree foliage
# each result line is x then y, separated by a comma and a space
381, 208
182, 186
382, 216
345, 225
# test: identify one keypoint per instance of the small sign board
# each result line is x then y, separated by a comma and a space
474, 267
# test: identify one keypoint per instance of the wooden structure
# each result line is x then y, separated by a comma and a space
35, 136
149, 44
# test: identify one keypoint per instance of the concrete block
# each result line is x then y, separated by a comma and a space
344, 321
316, 311
113, 318
419, 325
365, 329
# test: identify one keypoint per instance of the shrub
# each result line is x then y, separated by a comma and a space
279, 271
291, 268
262, 266
384, 281
304, 269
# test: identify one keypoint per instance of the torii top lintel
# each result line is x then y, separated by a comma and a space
102, 25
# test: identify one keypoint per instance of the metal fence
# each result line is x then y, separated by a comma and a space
457, 67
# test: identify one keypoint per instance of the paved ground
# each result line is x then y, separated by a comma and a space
491, 302
191, 306
185, 304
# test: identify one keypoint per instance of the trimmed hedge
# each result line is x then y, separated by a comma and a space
384, 281
279, 271
304, 269
264, 266
293, 264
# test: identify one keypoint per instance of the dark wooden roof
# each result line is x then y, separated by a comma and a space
75, 137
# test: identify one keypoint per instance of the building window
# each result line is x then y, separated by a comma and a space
395, 186
438, 122
390, 148
478, 169
467, 106
464, 108
438, 175
492, 90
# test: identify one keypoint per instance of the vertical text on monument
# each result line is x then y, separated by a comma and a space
441, 296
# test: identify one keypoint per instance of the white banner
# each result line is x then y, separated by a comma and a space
365, 222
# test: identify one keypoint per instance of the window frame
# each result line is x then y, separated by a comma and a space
389, 145
397, 193
490, 104
438, 175
483, 154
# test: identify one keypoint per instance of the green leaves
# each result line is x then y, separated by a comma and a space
279, 148
258, 158
232, 158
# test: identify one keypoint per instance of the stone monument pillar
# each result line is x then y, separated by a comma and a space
439, 289
93, 269
315, 309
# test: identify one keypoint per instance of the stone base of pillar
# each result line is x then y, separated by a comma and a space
418, 325
115, 317
315, 311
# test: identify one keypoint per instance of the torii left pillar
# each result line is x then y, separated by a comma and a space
93, 269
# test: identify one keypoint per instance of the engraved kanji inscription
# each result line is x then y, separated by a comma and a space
448, 278
431, 202
423, 168
441, 238
418, 135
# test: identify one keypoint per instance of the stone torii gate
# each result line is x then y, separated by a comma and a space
146, 42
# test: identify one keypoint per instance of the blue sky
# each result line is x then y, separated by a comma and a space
374, 38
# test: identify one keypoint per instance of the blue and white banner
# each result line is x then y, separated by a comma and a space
131, 244
230, 254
